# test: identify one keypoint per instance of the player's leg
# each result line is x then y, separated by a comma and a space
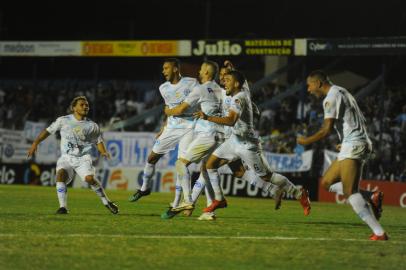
239, 171
86, 171
350, 172
64, 173
62, 191
213, 163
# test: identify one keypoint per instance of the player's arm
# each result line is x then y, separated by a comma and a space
178, 110
102, 150
228, 120
42, 136
323, 132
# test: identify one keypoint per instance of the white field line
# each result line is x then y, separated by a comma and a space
135, 236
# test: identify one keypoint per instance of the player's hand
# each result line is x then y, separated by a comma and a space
228, 64
32, 150
338, 147
106, 155
301, 140
199, 114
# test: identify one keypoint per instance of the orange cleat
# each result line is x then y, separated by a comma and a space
305, 202
383, 237
376, 204
215, 205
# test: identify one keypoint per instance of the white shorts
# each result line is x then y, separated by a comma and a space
81, 165
169, 138
250, 153
355, 151
201, 147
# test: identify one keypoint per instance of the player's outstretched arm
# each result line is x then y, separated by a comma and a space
102, 150
322, 133
178, 110
42, 136
229, 120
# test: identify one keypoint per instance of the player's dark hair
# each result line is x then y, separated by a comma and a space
237, 75
76, 100
320, 75
214, 66
174, 61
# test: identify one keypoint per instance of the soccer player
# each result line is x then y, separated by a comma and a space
177, 129
207, 135
342, 112
243, 144
78, 134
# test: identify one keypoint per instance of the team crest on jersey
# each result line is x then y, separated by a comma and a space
186, 92
79, 132
210, 90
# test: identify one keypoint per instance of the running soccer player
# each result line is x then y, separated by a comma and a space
243, 144
207, 136
341, 112
78, 135
178, 129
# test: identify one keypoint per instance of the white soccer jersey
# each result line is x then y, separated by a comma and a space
244, 127
175, 94
209, 96
350, 123
77, 137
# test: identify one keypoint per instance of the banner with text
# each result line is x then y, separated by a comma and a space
225, 47
139, 48
40, 48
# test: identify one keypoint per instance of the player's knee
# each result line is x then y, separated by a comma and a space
153, 158
61, 176
239, 172
89, 179
325, 184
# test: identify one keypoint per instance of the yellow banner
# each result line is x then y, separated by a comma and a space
140, 48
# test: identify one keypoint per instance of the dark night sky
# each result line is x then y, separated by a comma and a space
149, 19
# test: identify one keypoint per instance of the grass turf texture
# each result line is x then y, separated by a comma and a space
249, 234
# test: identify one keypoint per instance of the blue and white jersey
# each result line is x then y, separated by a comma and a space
175, 94
244, 127
209, 96
77, 137
226, 106
349, 122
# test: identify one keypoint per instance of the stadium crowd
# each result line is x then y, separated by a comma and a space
115, 100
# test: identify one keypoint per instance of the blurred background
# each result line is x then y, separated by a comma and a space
112, 52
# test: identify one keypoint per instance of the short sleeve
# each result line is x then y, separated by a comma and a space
96, 134
55, 126
331, 107
236, 105
193, 98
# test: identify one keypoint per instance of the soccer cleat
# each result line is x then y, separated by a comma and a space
383, 237
112, 207
62, 211
278, 198
215, 205
138, 194
305, 202
169, 214
210, 216
376, 204
183, 206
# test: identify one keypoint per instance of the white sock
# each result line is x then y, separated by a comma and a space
255, 180
98, 189
362, 210
198, 187
178, 192
62, 192
284, 183
149, 170
184, 176
215, 183
337, 188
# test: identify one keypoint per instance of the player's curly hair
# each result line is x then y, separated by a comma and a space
75, 101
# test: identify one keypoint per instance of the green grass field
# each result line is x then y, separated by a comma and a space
249, 234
